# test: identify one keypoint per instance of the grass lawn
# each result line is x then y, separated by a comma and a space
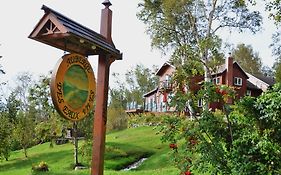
122, 148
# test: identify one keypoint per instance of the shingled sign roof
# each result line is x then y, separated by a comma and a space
61, 32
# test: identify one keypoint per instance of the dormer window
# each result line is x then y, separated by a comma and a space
237, 81
216, 80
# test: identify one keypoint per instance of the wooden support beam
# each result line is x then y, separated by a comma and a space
100, 117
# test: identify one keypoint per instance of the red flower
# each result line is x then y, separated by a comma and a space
193, 140
173, 146
187, 172
217, 90
223, 92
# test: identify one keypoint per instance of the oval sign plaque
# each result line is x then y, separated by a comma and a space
73, 87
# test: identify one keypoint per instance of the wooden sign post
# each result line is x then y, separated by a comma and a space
61, 32
102, 94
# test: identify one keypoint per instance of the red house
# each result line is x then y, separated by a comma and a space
230, 74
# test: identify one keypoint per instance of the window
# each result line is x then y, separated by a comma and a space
216, 80
237, 81
248, 92
200, 103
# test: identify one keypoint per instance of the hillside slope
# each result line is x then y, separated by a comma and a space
122, 148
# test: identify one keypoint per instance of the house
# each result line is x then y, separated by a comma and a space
158, 99
230, 74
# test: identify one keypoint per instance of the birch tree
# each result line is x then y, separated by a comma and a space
189, 29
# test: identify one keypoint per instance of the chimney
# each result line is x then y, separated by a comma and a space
229, 70
229, 74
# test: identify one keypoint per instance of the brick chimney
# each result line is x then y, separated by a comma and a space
229, 71
229, 74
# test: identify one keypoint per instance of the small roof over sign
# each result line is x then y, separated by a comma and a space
63, 33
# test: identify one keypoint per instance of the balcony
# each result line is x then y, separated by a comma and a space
165, 86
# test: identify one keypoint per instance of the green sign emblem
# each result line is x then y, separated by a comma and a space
73, 87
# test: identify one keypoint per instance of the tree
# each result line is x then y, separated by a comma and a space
140, 80
49, 124
116, 116
248, 59
118, 95
6, 130
267, 71
25, 119
253, 146
25, 130
189, 28
24, 82
40, 96
12, 107
274, 9
277, 71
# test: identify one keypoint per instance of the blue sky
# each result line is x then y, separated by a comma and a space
20, 53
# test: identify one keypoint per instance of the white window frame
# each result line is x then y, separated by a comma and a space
216, 80
238, 81
200, 103
248, 92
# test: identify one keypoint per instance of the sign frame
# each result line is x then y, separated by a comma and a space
74, 72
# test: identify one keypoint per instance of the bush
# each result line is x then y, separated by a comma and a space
41, 167
86, 151
145, 119
116, 119
244, 140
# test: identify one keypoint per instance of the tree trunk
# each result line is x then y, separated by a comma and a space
25, 152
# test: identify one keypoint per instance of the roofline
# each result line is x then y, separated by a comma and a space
166, 63
235, 62
257, 78
150, 92
75, 30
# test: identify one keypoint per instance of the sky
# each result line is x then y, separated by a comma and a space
21, 54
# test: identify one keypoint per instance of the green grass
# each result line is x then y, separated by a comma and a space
122, 148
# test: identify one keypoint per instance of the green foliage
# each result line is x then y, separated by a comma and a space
12, 107
144, 119
85, 126
277, 69
86, 151
59, 158
42, 166
189, 28
244, 141
116, 118
40, 96
140, 80
274, 9
24, 131
48, 130
248, 59
6, 130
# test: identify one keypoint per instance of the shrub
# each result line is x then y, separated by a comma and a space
41, 167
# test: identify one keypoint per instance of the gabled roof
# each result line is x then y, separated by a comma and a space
163, 68
268, 80
251, 86
221, 68
262, 82
62, 32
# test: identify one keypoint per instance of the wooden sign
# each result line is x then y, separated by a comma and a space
73, 87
